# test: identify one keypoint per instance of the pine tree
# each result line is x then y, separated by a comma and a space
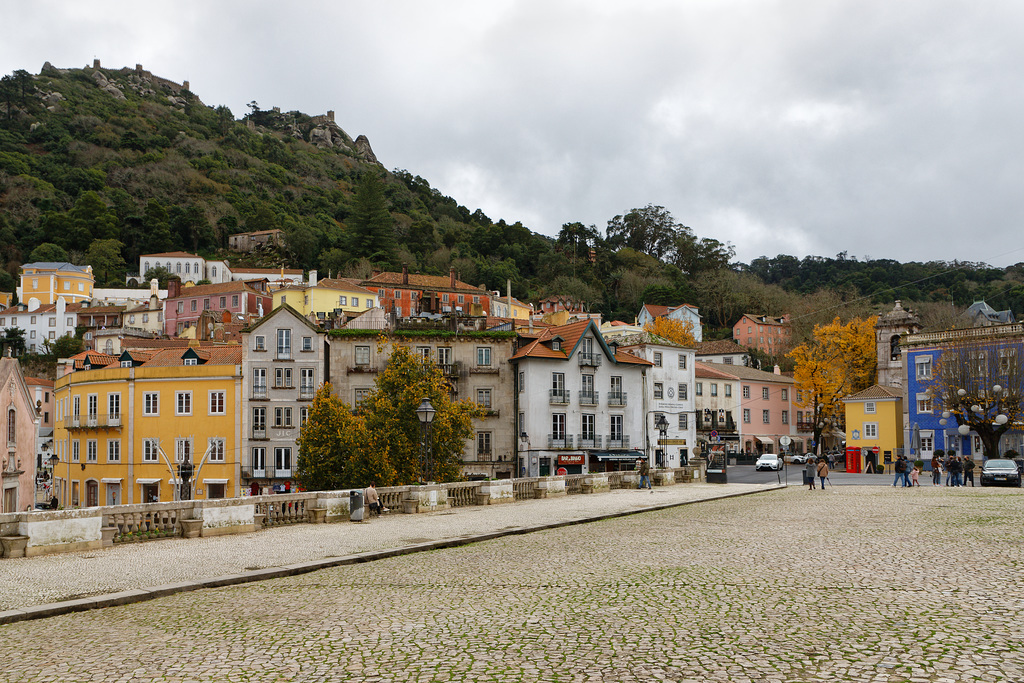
371, 227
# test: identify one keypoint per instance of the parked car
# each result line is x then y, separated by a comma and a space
1000, 472
798, 458
768, 461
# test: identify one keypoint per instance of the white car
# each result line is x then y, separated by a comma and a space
768, 461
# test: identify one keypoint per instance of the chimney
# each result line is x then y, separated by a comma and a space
405, 273
451, 277
313, 278
173, 287
508, 289
777, 370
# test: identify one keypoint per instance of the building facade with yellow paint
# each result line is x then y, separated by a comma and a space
874, 419
327, 295
48, 281
126, 425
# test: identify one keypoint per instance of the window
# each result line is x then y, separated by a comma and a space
924, 367
615, 428
259, 461
746, 391
114, 406
927, 441
360, 395
191, 361
218, 401
785, 394
223, 300
558, 425
869, 407
151, 403
423, 352
483, 398
362, 355
306, 379
870, 430
682, 361
924, 403
193, 305
522, 381
259, 419
75, 451
113, 450
343, 301
303, 415
785, 417
765, 416
284, 343
682, 391
557, 383
483, 356
727, 360
93, 403
683, 421
183, 450
283, 418
234, 301
283, 378
283, 460
355, 302
657, 359
698, 388
206, 304
307, 343
216, 450
183, 403
90, 450
764, 393
714, 388
150, 450
181, 307
746, 416
728, 390
483, 443
259, 379
588, 425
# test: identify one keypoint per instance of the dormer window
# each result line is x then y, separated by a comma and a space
556, 345
191, 361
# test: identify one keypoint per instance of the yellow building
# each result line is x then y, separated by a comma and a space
326, 296
126, 425
5, 299
48, 281
874, 419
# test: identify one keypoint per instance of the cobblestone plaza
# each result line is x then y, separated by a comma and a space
847, 584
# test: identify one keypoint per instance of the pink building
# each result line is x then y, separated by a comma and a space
765, 408
20, 420
764, 332
184, 305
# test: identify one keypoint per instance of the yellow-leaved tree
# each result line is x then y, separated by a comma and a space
381, 441
839, 360
678, 331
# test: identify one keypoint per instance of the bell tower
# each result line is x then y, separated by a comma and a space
890, 327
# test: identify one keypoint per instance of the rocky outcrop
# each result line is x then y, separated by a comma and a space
106, 85
364, 150
328, 135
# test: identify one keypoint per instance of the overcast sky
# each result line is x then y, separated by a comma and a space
889, 129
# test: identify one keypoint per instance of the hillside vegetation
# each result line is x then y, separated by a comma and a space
99, 165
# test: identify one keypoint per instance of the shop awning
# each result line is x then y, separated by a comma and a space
215, 481
147, 481
111, 480
766, 440
618, 456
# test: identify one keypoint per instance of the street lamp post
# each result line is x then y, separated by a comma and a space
661, 424
425, 412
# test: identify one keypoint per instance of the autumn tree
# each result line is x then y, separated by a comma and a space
979, 386
837, 361
678, 331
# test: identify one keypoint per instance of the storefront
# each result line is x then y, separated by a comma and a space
613, 461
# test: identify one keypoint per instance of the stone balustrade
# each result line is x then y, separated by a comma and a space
28, 534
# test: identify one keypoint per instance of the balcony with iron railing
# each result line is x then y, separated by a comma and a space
259, 432
450, 369
93, 421
588, 440
558, 396
259, 391
589, 358
616, 398
284, 353
617, 442
589, 398
306, 392
559, 441
805, 426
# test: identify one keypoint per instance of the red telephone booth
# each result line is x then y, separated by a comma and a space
853, 459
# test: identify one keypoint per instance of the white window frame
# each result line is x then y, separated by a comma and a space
870, 430
183, 403
151, 403
114, 450
217, 448
218, 396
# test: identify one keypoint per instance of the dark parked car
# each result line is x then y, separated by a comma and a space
1000, 472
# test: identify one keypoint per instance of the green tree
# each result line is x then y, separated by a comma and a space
14, 339
64, 347
161, 274
335, 449
108, 266
651, 230
48, 252
372, 230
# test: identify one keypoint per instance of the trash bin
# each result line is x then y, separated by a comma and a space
355, 506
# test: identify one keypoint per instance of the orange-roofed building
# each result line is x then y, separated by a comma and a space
682, 313
408, 294
579, 402
125, 425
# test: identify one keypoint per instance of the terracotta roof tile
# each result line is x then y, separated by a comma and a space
218, 288
874, 393
416, 281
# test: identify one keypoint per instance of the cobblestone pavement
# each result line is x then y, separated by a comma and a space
848, 584
40, 580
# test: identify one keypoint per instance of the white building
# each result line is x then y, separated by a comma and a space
189, 267
579, 402
682, 313
40, 322
668, 392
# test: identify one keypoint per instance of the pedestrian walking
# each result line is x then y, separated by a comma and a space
908, 467
822, 472
900, 468
645, 473
914, 476
372, 498
936, 471
809, 470
968, 470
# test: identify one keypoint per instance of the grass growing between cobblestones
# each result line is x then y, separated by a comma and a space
854, 584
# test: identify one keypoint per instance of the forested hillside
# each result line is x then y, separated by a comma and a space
100, 165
